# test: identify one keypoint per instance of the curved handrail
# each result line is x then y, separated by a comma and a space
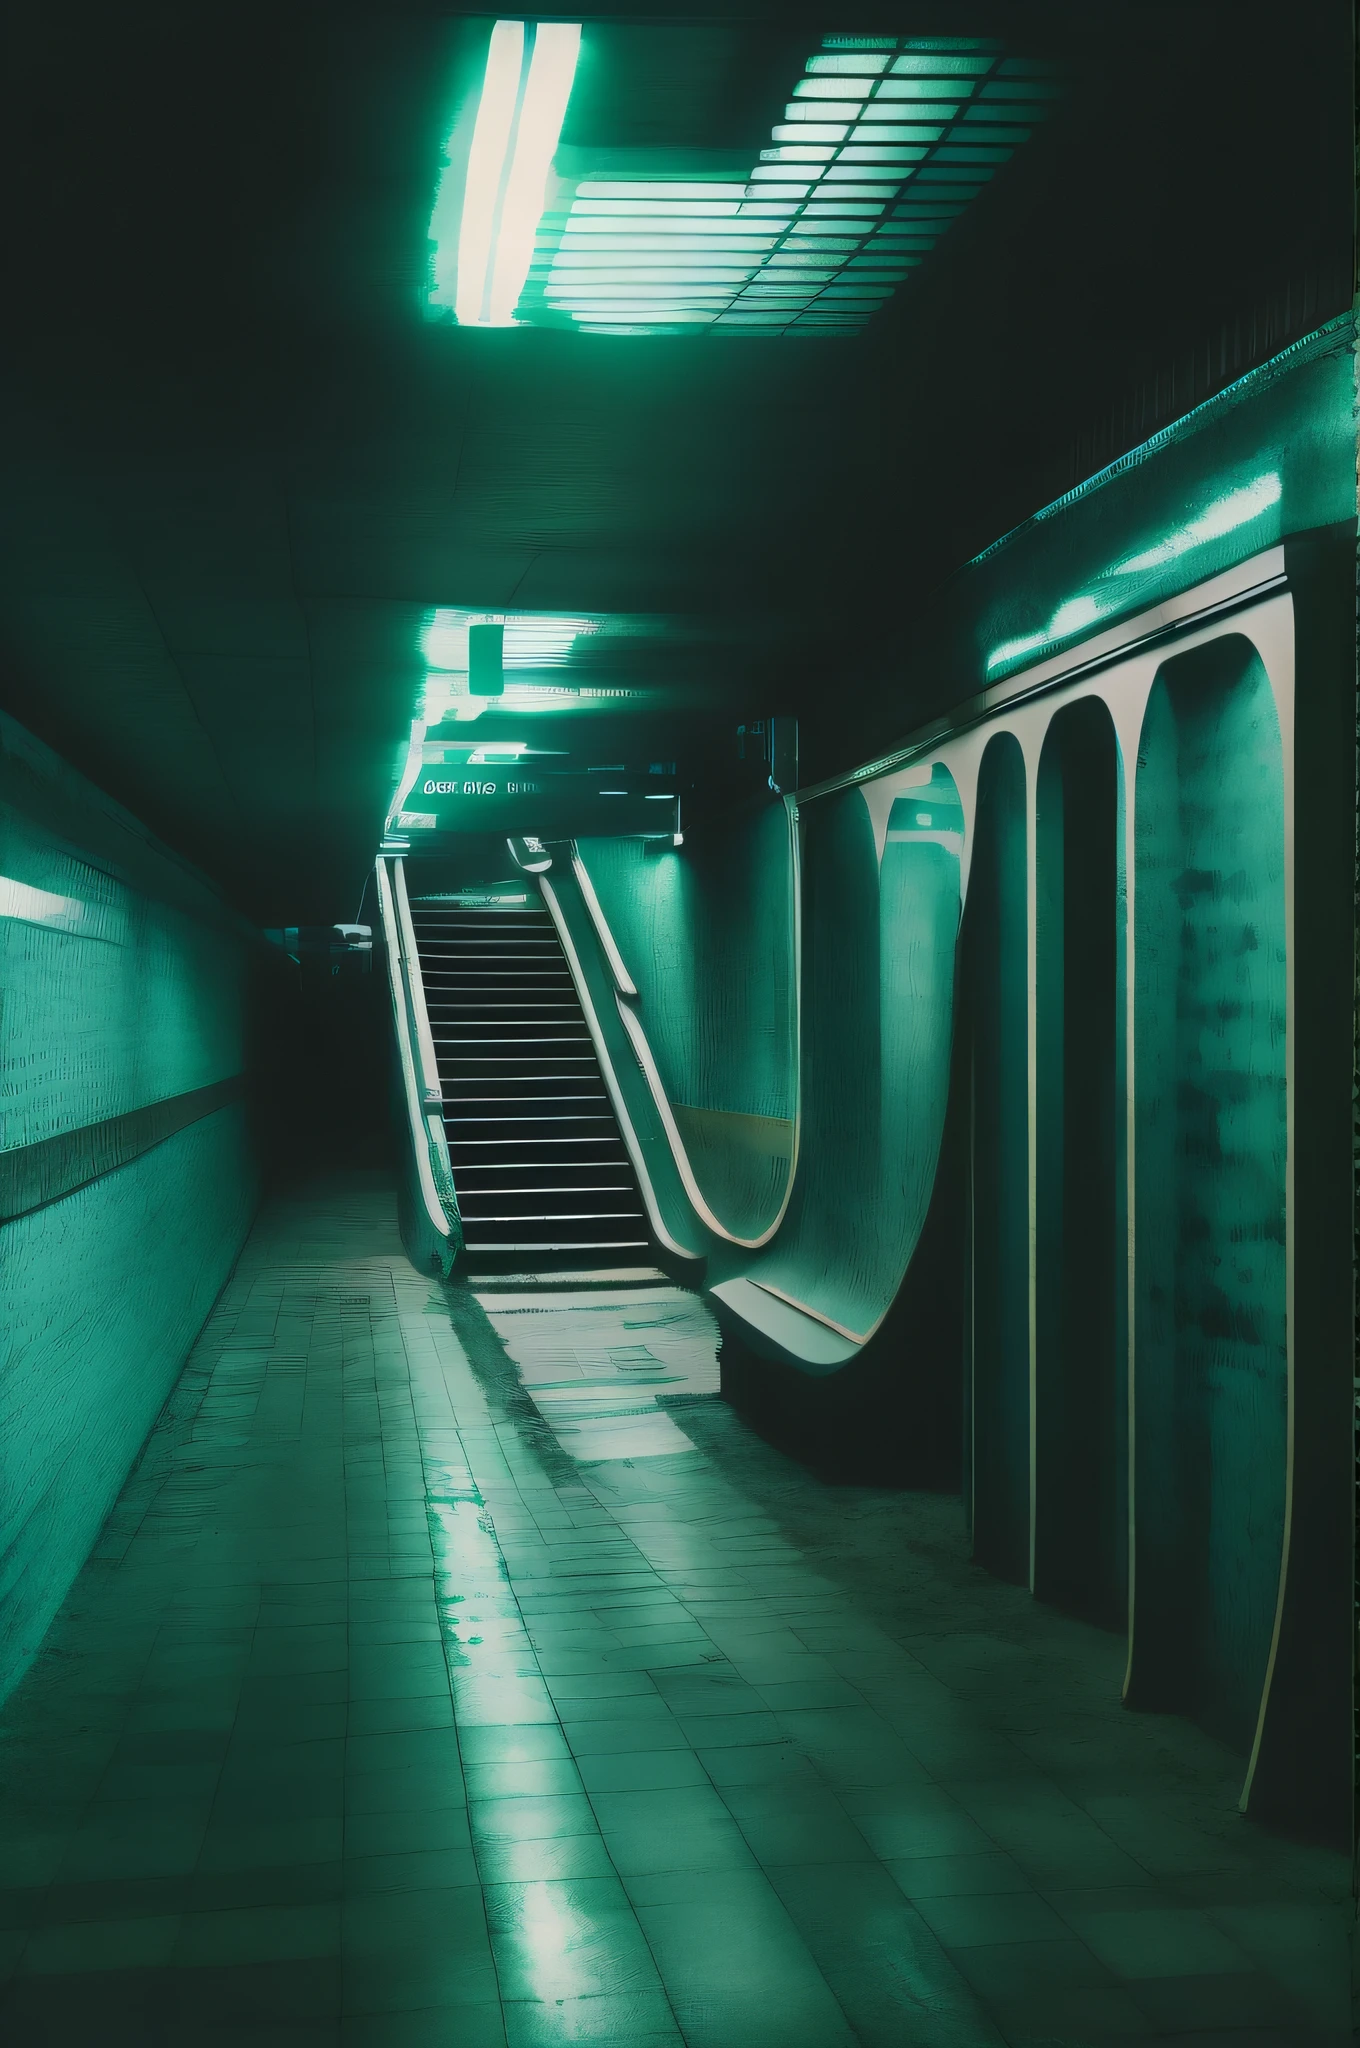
440, 1210
433, 1087
623, 981
625, 1122
643, 1052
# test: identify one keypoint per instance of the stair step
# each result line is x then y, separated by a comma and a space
538, 1160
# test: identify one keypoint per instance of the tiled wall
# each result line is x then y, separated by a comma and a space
122, 986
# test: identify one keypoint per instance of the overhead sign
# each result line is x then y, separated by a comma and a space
545, 805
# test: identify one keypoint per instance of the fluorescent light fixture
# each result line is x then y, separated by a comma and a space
486, 168
514, 139
1224, 516
552, 67
532, 640
872, 118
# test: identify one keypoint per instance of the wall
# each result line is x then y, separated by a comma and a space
995, 954
127, 1179
1211, 1354
708, 938
1140, 1133
1080, 1338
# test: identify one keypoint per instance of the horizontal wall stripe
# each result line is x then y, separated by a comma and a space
33, 1176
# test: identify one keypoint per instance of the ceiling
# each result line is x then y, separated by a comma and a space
244, 468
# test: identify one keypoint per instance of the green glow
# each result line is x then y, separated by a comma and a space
868, 62
546, 92
658, 207
922, 89
532, 640
591, 188
1227, 514
1238, 508
583, 283
868, 117
896, 133
943, 66
588, 248
834, 110
518, 122
830, 88
1069, 618
490, 141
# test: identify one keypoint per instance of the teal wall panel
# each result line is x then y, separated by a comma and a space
919, 904
827, 1253
123, 985
1271, 456
1211, 1129
707, 935
104, 1294
113, 1003
1081, 1394
879, 939
997, 971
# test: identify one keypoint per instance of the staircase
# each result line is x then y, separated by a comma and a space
537, 1159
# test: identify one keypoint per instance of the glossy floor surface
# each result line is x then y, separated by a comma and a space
377, 1719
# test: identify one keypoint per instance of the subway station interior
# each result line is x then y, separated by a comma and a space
677, 850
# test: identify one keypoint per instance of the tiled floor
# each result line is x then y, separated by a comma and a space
378, 1720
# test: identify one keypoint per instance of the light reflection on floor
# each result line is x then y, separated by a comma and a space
599, 1362
377, 1721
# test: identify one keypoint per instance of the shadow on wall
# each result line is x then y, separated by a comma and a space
1210, 1360
995, 1036
1081, 1390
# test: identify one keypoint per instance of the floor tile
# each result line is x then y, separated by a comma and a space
447, 2026
1156, 1941
786, 1771
529, 1819
641, 1770
944, 1877
616, 2019
736, 1969
100, 1945
567, 1938
416, 1870
539, 1777
517, 1743
981, 1919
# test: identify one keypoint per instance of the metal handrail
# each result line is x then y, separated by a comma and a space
625, 1121
623, 980
415, 989
441, 1209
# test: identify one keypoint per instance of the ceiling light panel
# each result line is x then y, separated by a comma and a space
891, 136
